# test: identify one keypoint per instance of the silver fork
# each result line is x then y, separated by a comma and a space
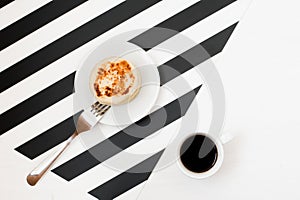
85, 122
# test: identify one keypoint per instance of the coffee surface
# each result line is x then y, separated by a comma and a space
198, 153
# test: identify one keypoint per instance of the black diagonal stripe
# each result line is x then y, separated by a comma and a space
195, 55
72, 41
49, 138
125, 138
35, 20
179, 22
5, 2
213, 45
127, 180
36, 103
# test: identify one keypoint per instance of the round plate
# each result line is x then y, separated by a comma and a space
141, 105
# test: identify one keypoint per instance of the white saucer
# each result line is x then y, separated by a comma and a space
141, 105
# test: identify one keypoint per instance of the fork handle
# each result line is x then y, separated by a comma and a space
37, 173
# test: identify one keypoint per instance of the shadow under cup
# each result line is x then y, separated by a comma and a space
200, 155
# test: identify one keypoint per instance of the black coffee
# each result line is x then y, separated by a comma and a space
198, 153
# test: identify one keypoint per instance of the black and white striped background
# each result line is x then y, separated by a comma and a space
41, 43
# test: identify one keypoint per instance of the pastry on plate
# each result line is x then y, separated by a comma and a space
115, 81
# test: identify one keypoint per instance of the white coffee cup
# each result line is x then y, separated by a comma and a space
219, 158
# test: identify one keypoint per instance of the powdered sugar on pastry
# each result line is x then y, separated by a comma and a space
114, 81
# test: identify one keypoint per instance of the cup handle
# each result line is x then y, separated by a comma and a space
226, 137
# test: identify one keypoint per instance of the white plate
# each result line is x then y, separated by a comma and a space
141, 105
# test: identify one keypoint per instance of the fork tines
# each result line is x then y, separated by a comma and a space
99, 109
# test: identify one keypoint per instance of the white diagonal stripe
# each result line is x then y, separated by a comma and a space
197, 33
69, 63
18, 9
54, 30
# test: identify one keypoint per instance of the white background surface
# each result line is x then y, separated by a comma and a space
260, 70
